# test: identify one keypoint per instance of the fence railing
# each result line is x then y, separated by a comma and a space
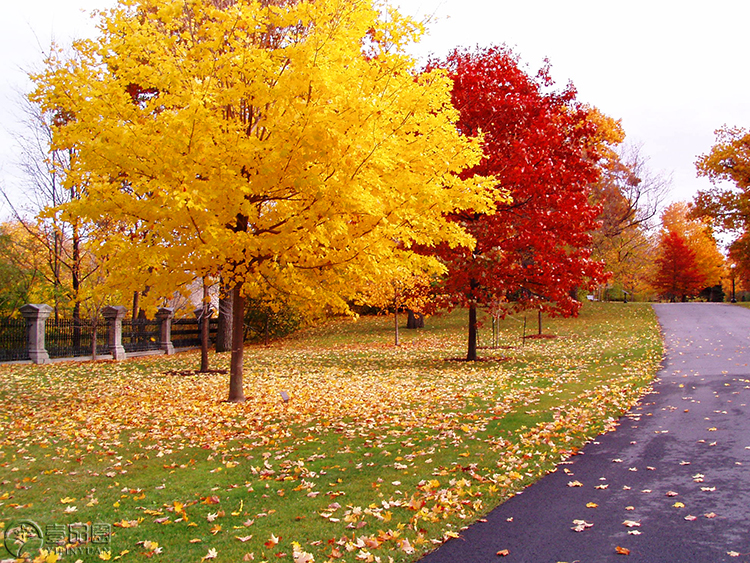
38, 338
74, 338
186, 333
13, 345
142, 335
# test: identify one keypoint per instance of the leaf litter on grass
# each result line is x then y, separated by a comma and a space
380, 452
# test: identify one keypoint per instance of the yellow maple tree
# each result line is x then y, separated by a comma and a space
287, 147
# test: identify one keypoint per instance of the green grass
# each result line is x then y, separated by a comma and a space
381, 452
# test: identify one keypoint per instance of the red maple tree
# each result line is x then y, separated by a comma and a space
540, 145
678, 275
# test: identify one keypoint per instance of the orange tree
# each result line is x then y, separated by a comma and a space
699, 237
727, 202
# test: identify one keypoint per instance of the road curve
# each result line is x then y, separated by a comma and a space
677, 469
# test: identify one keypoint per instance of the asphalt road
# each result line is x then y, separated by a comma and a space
677, 468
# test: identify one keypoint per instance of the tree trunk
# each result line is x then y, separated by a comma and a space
205, 326
414, 320
56, 272
136, 303
77, 325
395, 326
472, 353
224, 330
540, 322
236, 392
94, 330
75, 271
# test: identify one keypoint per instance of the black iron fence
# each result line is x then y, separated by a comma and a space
69, 338
73, 338
141, 335
13, 343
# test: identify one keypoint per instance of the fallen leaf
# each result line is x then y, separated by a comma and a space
503, 553
301, 556
405, 546
273, 541
622, 550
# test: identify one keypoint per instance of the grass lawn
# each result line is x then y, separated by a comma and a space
380, 454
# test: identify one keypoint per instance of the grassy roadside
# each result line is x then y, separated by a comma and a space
380, 454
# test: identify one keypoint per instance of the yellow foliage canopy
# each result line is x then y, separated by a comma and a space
291, 147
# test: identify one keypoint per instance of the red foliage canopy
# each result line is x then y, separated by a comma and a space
678, 275
539, 144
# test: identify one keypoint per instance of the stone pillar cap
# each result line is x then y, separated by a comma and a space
114, 311
30, 308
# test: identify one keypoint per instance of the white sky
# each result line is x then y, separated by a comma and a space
672, 70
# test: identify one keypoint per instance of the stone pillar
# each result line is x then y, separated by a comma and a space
114, 316
36, 317
165, 316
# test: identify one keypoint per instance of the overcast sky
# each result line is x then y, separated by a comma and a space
672, 71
